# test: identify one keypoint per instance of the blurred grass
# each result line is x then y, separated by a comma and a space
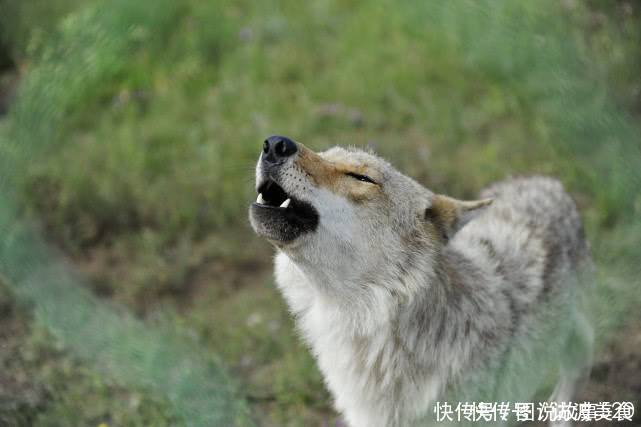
147, 357
41, 384
137, 126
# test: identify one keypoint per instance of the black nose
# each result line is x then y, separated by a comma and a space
277, 148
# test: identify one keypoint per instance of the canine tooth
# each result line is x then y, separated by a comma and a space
260, 199
285, 203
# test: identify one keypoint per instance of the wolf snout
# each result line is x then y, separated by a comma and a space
277, 149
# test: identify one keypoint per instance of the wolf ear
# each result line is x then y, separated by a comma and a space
450, 215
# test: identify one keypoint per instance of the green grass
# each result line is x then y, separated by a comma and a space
157, 358
138, 124
42, 384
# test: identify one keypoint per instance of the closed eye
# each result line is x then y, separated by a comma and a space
363, 178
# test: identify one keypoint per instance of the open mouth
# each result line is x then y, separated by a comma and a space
271, 194
277, 215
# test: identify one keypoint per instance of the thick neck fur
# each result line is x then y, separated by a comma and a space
363, 294
367, 335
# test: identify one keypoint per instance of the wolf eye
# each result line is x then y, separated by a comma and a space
360, 177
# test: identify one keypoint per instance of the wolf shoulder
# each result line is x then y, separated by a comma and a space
540, 198
540, 203
533, 219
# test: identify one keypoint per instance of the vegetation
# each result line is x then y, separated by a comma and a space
132, 142
43, 385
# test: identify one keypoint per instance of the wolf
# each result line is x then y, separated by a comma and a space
405, 295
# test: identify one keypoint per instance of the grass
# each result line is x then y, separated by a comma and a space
137, 126
42, 384
155, 358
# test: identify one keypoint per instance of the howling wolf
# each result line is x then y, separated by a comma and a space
405, 295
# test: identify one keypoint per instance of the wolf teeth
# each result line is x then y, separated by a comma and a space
285, 203
260, 199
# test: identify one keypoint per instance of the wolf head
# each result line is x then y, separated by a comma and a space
345, 212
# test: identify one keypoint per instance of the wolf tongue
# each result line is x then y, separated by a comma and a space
285, 203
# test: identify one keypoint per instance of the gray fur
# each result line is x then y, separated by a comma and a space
400, 305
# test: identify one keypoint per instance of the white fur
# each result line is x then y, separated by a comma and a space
395, 316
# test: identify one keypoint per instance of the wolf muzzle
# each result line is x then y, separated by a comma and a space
277, 215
